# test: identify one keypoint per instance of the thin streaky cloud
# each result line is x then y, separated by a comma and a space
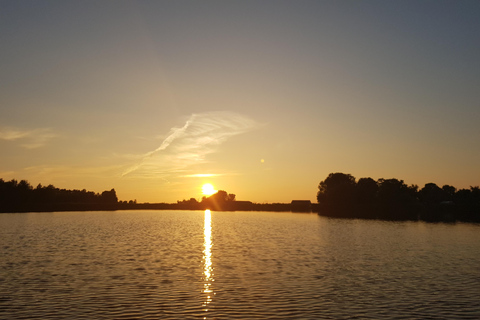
175, 133
203, 175
62, 172
11, 134
202, 134
30, 139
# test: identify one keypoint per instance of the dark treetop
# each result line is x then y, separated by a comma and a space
341, 195
22, 197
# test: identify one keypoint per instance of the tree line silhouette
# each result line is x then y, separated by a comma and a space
22, 197
221, 200
224, 201
341, 195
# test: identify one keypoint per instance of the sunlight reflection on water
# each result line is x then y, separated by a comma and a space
152, 265
207, 261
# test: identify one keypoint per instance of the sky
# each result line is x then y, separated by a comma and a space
262, 99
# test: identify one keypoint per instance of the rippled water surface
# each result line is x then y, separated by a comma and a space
234, 265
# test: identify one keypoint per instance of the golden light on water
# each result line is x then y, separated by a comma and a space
207, 261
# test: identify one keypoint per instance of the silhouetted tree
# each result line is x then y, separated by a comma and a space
109, 196
191, 204
435, 203
432, 194
367, 190
338, 188
449, 191
394, 191
21, 196
336, 194
397, 200
219, 201
366, 198
467, 202
392, 199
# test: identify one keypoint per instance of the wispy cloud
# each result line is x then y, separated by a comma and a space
66, 171
203, 175
185, 146
29, 139
71, 174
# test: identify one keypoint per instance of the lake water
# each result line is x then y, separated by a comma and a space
234, 265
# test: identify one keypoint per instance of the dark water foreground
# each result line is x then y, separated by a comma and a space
234, 265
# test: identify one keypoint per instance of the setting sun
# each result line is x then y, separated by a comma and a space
208, 189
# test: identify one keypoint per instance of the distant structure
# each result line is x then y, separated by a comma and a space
301, 206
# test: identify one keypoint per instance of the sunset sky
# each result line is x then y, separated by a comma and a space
262, 99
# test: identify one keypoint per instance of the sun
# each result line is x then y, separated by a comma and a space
208, 189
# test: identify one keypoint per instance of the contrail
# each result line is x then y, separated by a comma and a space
201, 135
177, 132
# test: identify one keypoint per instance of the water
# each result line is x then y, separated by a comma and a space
234, 265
